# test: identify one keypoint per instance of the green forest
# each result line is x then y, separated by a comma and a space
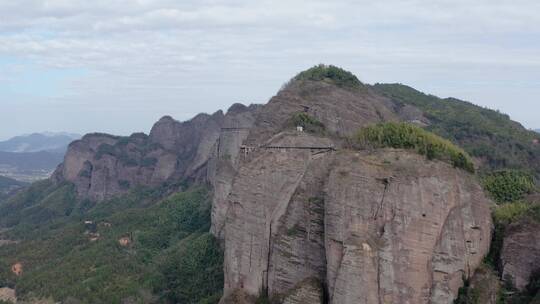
485, 134
408, 136
167, 256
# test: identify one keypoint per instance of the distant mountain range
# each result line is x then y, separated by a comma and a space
33, 156
537, 130
37, 142
30, 161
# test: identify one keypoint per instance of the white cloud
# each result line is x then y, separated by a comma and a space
217, 52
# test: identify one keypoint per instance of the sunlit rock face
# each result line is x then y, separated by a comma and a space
387, 227
342, 226
520, 255
102, 166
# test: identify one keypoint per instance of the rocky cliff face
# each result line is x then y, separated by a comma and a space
402, 230
303, 223
382, 228
520, 254
101, 165
342, 111
236, 126
302, 218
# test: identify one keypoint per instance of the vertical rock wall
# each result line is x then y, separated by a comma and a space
385, 228
520, 255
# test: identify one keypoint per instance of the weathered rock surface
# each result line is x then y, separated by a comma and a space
192, 141
235, 129
485, 285
384, 228
520, 255
400, 229
101, 165
342, 111
261, 195
307, 292
8, 295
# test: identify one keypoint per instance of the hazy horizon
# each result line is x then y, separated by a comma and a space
147, 130
118, 66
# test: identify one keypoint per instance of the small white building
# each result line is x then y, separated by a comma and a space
299, 128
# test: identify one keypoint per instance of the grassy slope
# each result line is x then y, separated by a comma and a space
483, 133
330, 74
171, 257
408, 136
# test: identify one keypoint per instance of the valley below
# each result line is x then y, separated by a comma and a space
27, 176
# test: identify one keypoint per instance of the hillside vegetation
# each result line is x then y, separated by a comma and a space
41, 202
330, 74
509, 185
509, 188
408, 136
6, 183
309, 123
489, 135
157, 253
505, 215
9, 186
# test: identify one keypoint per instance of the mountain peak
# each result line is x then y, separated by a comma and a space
330, 74
166, 118
35, 142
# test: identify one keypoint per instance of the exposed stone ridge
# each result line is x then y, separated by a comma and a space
384, 228
342, 111
103, 165
520, 255
235, 129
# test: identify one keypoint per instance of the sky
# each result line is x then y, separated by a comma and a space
117, 66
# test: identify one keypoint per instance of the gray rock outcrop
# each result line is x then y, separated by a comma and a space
520, 254
382, 228
387, 227
101, 165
